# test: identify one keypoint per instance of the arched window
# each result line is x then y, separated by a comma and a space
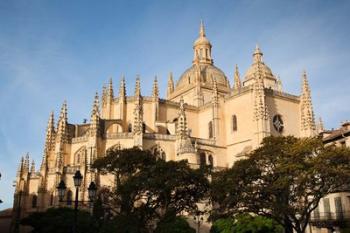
211, 161
69, 197
34, 201
202, 159
129, 127
143, 128
51, 199
210, 129
234, 123
79, 156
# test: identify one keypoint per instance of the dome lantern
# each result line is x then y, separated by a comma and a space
202, 48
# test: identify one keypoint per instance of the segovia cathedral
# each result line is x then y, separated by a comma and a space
204, 119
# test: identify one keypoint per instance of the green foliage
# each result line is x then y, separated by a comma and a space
284, 179
148, 189
246, 223
222, 225
59, 220
256, 224
174, 224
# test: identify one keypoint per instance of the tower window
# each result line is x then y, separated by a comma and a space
210, 129
129, 128
234, 123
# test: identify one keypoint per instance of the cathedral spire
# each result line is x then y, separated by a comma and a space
20, 167
49, 140
62, 124
320, 126
260, 108
95, 117
237, 80
26, 164
110, 92
170, 89
307, 114
138, 111
137, 87
155, 89
32, 168
122, 89
50, 133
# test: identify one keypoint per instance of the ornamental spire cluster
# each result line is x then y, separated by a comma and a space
260, 108
170, 89
306, 110
155, 88
138, 110
62, 126
236, 79
122, 90
95, 117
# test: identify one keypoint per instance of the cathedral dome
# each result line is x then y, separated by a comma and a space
203, 70
263, 68
206, 74
259, 66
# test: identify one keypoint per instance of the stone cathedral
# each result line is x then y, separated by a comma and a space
204, 119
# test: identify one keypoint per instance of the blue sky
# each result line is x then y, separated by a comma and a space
56, 50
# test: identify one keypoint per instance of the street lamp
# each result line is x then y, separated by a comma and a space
77, 182
61, 190
92, 191
77, 178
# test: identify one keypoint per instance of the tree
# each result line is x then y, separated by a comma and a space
149, 188
59, 220
246, 223
174, 224
284, 179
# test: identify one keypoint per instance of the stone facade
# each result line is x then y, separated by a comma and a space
203, 119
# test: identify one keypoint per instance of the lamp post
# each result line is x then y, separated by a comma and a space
77, 178
77, 182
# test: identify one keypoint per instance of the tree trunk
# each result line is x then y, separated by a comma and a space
288, 227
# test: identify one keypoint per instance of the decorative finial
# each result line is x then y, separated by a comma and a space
257, 55
237, 80
122, 89
137, 86
201, 29
155, 90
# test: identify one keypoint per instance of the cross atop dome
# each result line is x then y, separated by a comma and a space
202, 30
